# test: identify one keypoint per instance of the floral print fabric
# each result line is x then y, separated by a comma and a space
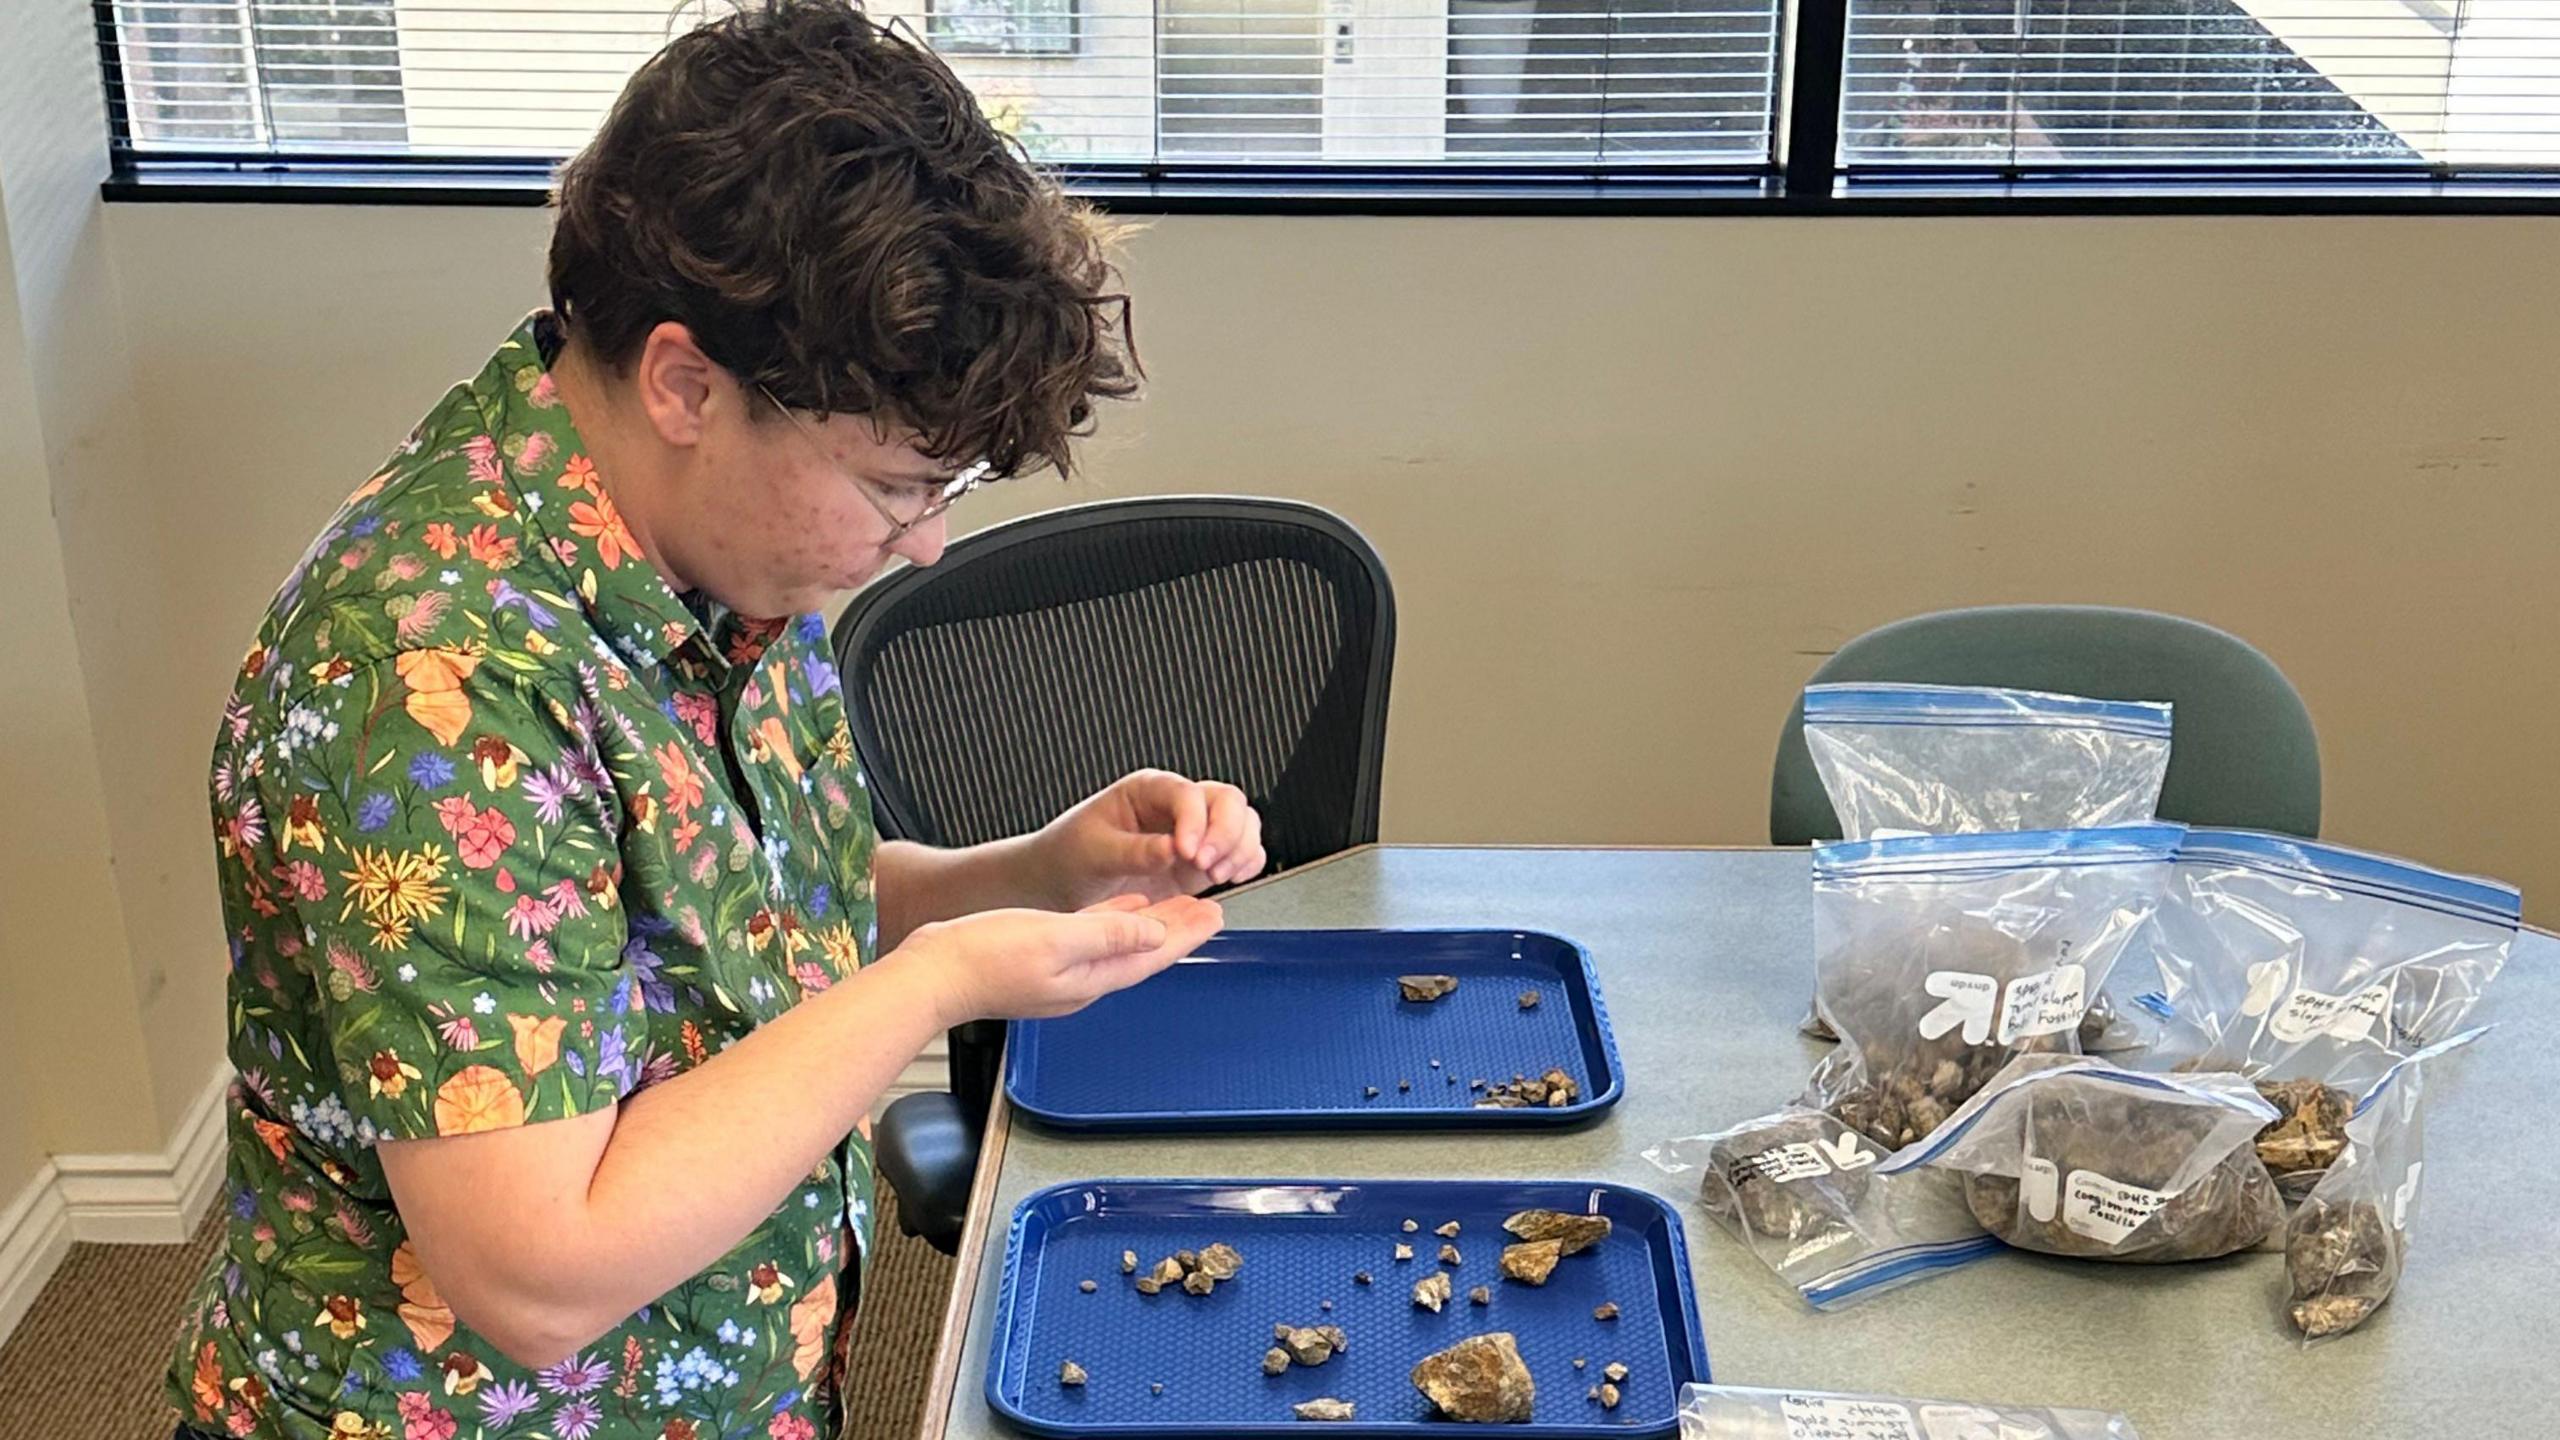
507, 830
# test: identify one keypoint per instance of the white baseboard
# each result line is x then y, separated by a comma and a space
144, 1199
35, 1233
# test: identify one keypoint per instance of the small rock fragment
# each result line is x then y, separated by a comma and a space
1156, 1389
1198, 1282
1147, 1284
1168, 1271
1359, 1277
1085, 1285
1579, 1362
1425, 988
1323, 1407
1404, 1085
1432, 1291
1576, 1233
1370, 1091
1476, 1084
1608, 1310
1307, 1344
1591, 1394
1448, 1231
1070, 1373
1221, 1261
2310, 1133
1448, 1254
1480, 1380
1128, 1262
1528, 999
1403, 1251
1274, 1360
1614, 1370
1481, 1295
1333, 1333
1324, 1304
1531, 1261
1608, 1397
1412, 1225
1189, 1260
1435, 1063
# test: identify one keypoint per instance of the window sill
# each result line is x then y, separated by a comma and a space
1262, 190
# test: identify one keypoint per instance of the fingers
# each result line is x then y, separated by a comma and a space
1118, 902
1103, 933
1229, 827
1187, 920
1166, 803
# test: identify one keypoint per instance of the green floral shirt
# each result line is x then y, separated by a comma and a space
507, 830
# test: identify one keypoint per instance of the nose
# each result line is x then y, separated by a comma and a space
923, 545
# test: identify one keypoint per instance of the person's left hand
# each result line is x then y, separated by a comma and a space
1151, 833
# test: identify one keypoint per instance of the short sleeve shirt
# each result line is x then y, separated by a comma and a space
506, 830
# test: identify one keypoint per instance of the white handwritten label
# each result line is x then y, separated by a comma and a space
2309, 1013
2044, 1004
2040, 1189
1839, 1417
2106, 1210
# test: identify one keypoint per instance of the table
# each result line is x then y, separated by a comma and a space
1705, 958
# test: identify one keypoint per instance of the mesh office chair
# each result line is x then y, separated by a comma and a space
2242, 752
1243, 640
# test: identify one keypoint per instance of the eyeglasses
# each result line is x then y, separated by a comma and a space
952, 489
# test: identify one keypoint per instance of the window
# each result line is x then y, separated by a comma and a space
2305, 83
1001, 27
1580, 99
1087, 82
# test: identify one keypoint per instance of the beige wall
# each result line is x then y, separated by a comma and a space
1633, 479
75, 992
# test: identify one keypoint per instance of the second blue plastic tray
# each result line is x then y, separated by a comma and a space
1289, 1029
1303, 1242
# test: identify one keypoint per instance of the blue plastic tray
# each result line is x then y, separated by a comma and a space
1286, 1029
1302, 1240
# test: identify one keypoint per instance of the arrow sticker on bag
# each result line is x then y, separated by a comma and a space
1964, 999
1846, 1153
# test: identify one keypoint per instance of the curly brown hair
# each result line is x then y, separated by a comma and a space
822, 203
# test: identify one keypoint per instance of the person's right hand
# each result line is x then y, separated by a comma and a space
1034, 964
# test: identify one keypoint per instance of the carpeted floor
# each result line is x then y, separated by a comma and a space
86, 1362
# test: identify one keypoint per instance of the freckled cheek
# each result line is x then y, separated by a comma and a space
831, 540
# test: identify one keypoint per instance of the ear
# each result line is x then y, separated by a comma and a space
676, 383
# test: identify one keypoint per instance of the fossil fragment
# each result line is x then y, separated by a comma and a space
1531, 1261
1432, 1291
1575, 1233
1479, 1380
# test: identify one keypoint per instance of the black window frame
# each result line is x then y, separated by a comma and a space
1804, 177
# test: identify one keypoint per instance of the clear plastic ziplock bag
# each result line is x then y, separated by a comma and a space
2348, 1242
2285, 958
1900, 760
1955, 759
2068, 1155
1940, 958
1800, 1191
1734, 1412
